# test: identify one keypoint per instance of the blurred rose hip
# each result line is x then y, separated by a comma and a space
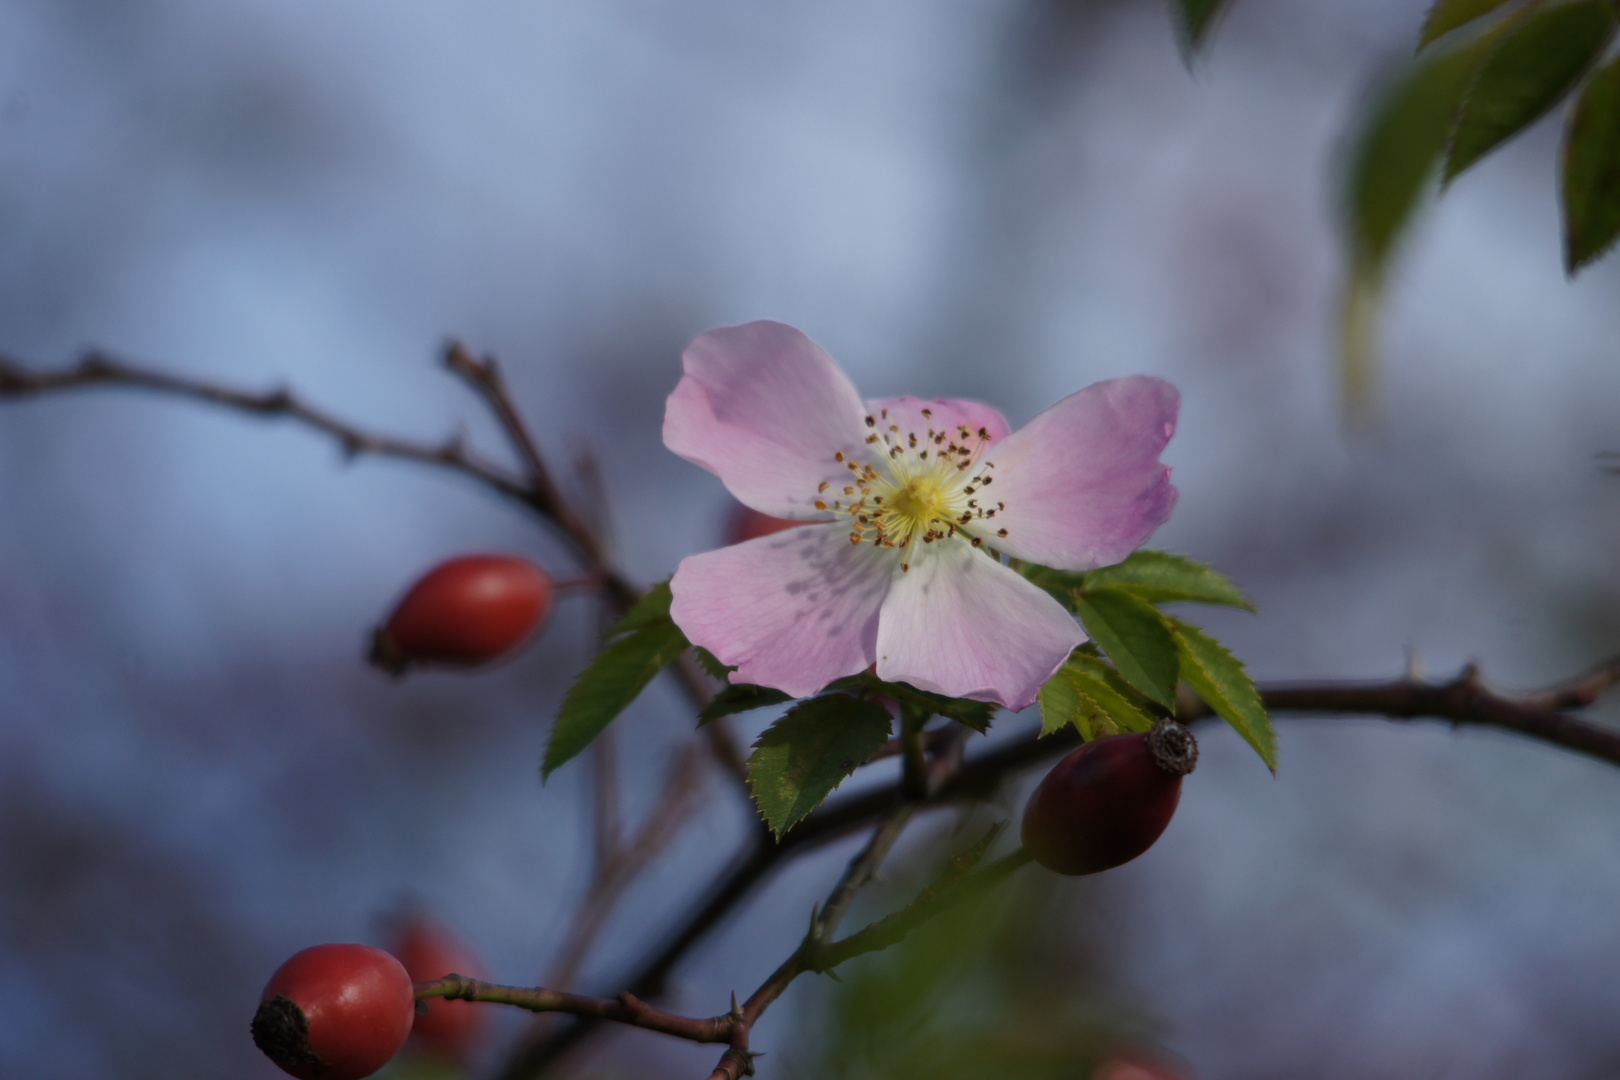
465, 612
429, 950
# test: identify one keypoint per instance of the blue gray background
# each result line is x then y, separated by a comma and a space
1000, 200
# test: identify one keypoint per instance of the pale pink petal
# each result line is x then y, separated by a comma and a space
766, 410
961, 624
1082, 482
948, 415
794, 610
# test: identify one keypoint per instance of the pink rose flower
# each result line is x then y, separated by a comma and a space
906, 499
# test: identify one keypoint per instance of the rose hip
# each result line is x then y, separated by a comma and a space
335, 1012
1108, 801
464, 612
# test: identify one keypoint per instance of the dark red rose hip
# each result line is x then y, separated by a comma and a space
335, 1012
465, 612
1108, 801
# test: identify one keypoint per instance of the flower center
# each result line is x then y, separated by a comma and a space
918, 488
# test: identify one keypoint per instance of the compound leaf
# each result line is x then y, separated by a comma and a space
1220, 679
638, 647
1136, 638
1447, 15
1539, 58
1591, 194
801, 758
1162, 578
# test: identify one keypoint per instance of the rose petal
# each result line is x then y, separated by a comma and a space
1082, 482
794, 610
765, 409
949, 414
961, 624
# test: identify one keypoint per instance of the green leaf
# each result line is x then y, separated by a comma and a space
711, 664
1195, 18
1393, 157
1089, 694
1136, 638
1592, 170
975, 714
1540, 58
1127, 708
802, 757
641, 645
1447, 15
1061, 585
1220, 679
1162, 578
740, 697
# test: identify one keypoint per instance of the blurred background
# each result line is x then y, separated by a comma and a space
998, 200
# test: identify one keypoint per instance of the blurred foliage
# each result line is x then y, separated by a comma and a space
999, 987
1485, 71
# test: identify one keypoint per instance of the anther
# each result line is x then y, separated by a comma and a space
838, 456
1001, 532
820, 505
870, 422
823, 487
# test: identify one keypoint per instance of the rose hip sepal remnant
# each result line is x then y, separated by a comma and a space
463, 613
427, 948
335, 1012
905, 504
1108, 801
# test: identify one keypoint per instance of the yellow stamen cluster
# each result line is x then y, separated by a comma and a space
922, 488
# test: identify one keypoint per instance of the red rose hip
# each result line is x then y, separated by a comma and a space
1108, 801
449, 1029
464, 612
335, 1012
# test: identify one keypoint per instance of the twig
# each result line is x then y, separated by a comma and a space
619, 866
1462, 701
895, 928
534, 488
98, 369
624, 1009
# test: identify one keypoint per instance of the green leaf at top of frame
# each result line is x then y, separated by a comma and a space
739, 698
1136, 637
1400, 142
1591, 170
1540, 57
804, 756
1195, 19
1160, 577
1221, 680
1447, 15
638, 647
1089, 694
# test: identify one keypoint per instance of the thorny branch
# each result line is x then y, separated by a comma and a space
935, 772
533, 488
1463, 700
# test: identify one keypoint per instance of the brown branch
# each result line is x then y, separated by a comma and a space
98, 369
623, 1009
1462, 701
